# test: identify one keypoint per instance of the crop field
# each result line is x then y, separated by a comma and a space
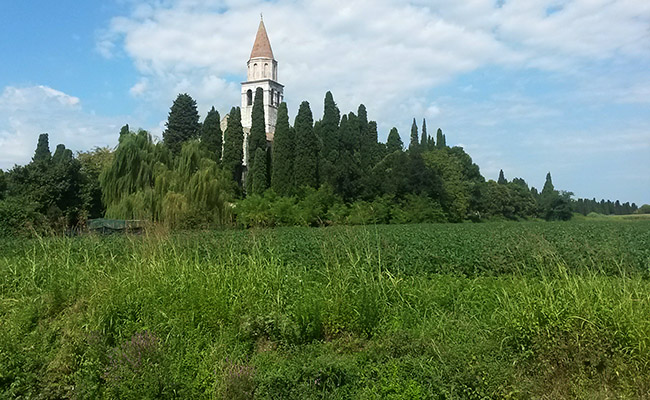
441, 311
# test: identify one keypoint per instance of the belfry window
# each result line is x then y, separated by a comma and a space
249, 97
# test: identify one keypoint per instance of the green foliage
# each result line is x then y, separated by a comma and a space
347, 169
282, 180
644, 209
92, 164
182, 123
211, 135
53, 185
124, 130
258, 175
553, 204
394, 142
42, 153
191, 191
257, 136
492, 310
132, 168
3, 184
440, 139
19, 217
414, 144
502, 179
305, 166
233, 150
455, 189
328, 132
425, 138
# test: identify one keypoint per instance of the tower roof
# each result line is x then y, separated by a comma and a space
262, 46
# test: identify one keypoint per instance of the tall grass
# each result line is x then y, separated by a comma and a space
420, 311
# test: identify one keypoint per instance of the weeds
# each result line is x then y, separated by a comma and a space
418, 311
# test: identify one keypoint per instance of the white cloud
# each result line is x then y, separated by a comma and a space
385, 53
26, 112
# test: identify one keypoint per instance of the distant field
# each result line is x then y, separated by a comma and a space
495, 310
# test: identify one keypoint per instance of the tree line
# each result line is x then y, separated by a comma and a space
330, 171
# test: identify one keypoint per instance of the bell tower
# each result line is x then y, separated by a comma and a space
262, 72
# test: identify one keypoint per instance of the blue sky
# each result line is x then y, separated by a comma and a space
529, 87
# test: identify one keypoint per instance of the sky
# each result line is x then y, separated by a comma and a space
527, 86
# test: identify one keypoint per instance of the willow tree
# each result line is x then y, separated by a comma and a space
131, 171
142, 183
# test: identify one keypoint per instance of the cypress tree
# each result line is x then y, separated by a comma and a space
328, 128
362, 128
233, 147
425, 137
440, 139
42, 152
375, 147
258, 174
414, 136
502, 179
211, 135
283, 153
394, 142
548, 185
306, 151
61, 154
257, 137
182, 123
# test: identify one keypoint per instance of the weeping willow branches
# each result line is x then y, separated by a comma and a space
144, 182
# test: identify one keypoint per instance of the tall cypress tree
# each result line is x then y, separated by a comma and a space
425, 137
211, 135
282, 181
375, 146
329, 127
414, 136
502, 179
394, 142
367, 140
42, 152
306, 151
257, 137
182, 123
440, 139
258, 174
233, 151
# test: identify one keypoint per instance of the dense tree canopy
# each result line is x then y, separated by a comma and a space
332, 171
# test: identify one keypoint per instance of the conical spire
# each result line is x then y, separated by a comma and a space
262, 46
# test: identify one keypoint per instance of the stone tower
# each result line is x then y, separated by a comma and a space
262, 73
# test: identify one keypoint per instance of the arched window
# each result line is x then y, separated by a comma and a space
266, 70
249, 97
272, 97
255, 71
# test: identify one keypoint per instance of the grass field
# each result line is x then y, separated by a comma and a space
495, 310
